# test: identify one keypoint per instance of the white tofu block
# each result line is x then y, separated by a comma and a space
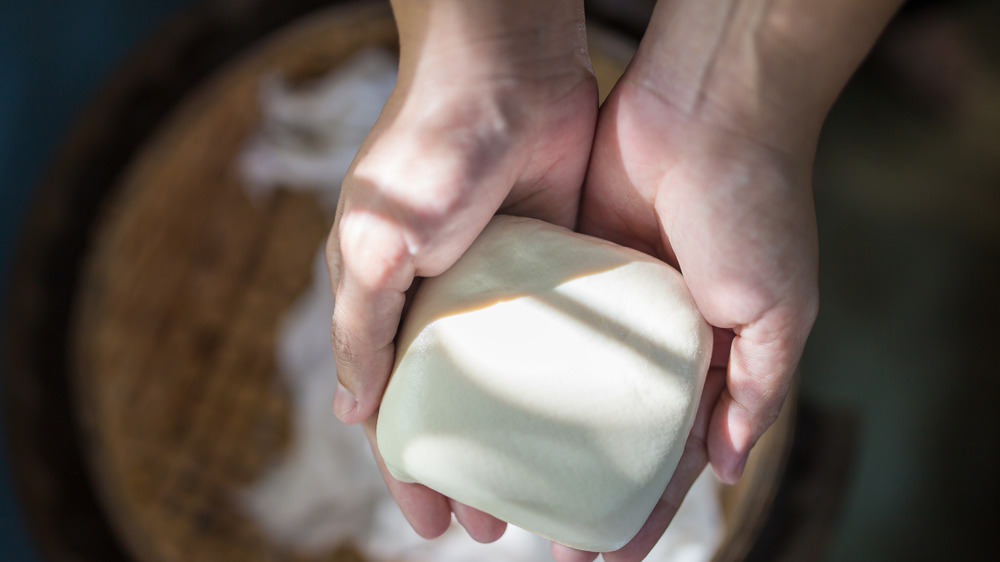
550, 379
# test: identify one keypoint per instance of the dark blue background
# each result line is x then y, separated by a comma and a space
53, 55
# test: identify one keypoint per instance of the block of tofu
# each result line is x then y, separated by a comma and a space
550, 379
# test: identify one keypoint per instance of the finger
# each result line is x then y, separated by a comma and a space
427, 511
410, 208
375, 270
332, 252
481, 526
691, 465
563, 553
762, 362
722, 343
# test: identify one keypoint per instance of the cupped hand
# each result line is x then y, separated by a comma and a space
735, 215
703, 157
494, 110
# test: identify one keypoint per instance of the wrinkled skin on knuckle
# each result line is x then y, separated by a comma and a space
373, 253
344, 349
332, 253
768, 406
436, 186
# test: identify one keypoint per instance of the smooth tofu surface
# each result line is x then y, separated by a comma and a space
550, 379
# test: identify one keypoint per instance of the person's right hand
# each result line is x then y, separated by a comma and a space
494, 109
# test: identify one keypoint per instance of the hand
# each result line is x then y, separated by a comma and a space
703, 157
494, 109
737, 218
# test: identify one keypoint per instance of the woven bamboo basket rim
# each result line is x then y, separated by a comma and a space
52, 481
183, 291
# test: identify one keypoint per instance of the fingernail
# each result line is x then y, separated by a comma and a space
343, 402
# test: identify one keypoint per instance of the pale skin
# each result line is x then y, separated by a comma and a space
701, 156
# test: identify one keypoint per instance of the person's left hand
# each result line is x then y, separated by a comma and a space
685, 172
737, 219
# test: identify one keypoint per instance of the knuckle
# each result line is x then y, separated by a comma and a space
332, 253
344, 348
371, 249
766, 418
765, 412
426, 176
758, 405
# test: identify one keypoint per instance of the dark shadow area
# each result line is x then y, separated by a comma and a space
908, 198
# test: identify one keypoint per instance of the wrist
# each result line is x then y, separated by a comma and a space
765, 70
491, 42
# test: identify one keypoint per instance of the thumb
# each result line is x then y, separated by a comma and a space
762, 364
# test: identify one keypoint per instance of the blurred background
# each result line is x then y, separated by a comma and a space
53, 57
901, 367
